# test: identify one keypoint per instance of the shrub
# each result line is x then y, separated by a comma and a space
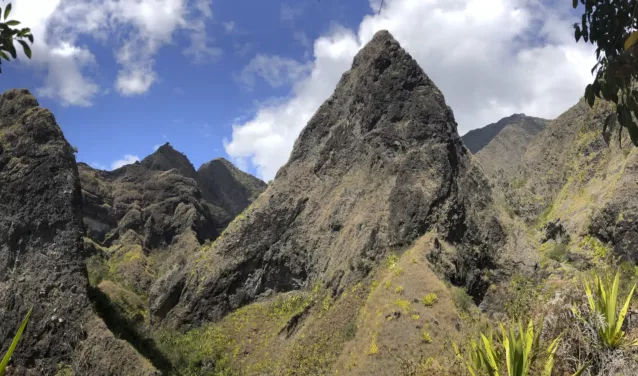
403, 304
350, 330
399, 290
462, 300
425, 336
429, 299
558, 252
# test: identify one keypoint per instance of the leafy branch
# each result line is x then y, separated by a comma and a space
9, 34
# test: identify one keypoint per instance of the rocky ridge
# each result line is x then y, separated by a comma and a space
379, 165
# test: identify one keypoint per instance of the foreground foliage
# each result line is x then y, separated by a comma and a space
515, 351
14, 343
9, 35
604, 303
609, 24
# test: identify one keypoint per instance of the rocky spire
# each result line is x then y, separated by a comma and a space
379, 165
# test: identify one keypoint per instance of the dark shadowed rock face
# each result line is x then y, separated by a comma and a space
41, 253
379, 165
146, 218
477, 139
227, 186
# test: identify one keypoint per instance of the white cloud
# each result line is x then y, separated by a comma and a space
302, 38
290, 12
229, 26
275, 70
490, 58
126, 160
139, 28
98, 166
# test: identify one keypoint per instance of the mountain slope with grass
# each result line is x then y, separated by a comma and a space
479, 138
503, 155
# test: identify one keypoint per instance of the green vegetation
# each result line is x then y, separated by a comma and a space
600, 250
9, 35
462, 300
605, 303
558, 252
429, 299
14, 343
515, 351
523, 296
425, 336
611, 25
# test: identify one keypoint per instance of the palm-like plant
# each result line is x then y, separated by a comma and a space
520, 348
14, 343
605, 304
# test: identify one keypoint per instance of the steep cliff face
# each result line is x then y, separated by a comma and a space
585, 185
379, 165
503, 156
229, 187
41, 252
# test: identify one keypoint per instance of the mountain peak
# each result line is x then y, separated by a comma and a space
166, 158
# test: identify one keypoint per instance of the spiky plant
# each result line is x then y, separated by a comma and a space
14, 343
516, 348
604, 303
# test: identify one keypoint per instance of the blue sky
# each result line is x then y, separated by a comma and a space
240, 78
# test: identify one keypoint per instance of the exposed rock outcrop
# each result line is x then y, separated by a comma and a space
379, 165
41, 252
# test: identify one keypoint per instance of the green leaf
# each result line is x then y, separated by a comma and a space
631, 40
577, 33
575, 3
26, 48
13, 23
3, 55
15, 341
589, 95
30, 38
7, 11
11, 49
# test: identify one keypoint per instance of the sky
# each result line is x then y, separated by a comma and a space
239, 79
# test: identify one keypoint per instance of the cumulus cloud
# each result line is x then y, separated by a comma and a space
141, 28
490, 58
275, 70
125, 160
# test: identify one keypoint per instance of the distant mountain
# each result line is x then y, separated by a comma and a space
477, 139
504, 153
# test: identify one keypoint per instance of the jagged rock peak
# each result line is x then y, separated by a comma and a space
166, 158
379, 165
386, 94
228, 186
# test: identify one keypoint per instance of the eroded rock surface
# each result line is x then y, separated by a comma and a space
41, 252
379, 165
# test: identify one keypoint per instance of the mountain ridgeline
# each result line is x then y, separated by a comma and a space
384, 238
